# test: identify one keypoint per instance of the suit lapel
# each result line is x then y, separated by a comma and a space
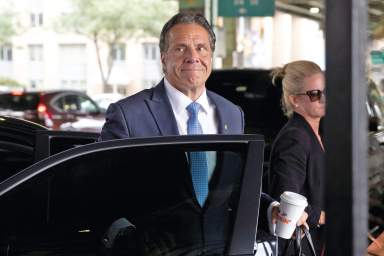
161, 110
222, 115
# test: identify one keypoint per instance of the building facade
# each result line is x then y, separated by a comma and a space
40, 57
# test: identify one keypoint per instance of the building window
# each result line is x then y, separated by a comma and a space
73, 66
36, 83
6, 53
36, 19
118, 52
35, 52
73, 84
151, 51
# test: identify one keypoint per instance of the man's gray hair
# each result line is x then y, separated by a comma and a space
186, 18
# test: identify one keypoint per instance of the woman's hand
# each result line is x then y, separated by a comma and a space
303, 220
322, 218
277, 216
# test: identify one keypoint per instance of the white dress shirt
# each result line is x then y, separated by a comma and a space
179, 101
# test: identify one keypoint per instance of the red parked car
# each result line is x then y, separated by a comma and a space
57, 110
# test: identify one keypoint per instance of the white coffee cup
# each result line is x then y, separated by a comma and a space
292, 206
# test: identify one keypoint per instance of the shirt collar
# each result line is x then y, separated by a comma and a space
180, 101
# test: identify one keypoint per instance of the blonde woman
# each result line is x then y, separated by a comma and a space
297, 155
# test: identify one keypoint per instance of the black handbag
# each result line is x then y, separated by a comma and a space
296, 242
266, 244
266, 248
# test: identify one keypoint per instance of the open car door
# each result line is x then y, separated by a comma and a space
135, 197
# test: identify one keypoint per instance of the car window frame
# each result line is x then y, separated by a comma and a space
63, 95
43, 140
86, 98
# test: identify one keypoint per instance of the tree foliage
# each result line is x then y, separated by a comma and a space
9, 82
7, 25
114, 21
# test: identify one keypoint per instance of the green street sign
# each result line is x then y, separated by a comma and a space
377, 57
190, 4
236, 8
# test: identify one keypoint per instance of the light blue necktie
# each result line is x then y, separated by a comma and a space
198, 160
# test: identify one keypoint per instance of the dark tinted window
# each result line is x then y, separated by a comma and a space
22, 102
13, 158
69, 208
23, 143
17, 145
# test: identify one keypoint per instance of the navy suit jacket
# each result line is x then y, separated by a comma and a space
149, 113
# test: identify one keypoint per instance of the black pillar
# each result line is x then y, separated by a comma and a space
346, 127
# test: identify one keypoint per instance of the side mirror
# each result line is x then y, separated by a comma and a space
120, 230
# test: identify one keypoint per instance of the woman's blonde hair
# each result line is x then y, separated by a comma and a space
293, 75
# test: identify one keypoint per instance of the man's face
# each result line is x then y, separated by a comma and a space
188, 59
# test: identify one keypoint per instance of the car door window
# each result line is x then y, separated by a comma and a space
75, 203
68, 103
13, 158
87, 105
17, 144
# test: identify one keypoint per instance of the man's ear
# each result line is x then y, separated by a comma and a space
163, 61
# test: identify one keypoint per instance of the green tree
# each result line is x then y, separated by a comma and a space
9, 82
113, 21
7, 24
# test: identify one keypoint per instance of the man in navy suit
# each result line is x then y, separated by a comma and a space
187, 43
